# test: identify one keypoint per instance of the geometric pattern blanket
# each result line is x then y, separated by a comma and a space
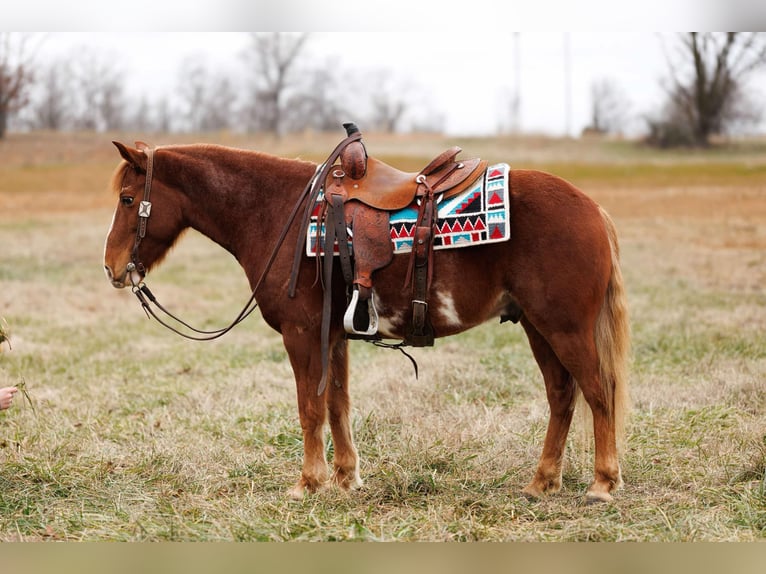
480, 214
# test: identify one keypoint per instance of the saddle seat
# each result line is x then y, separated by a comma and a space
389, 189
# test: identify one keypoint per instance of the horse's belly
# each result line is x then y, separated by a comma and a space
450, 311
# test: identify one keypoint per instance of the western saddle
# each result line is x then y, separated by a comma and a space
359, 194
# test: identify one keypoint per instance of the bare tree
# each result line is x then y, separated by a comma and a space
15, 76
151, 116
164, 116
193, 80
218, 105
388, 99
708, 75
100, 93
387, 113
51, 103
273, 59
609, 107
318, 104
141, 119
208, 99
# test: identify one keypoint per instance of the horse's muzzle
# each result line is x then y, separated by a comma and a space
117, 282
110, 276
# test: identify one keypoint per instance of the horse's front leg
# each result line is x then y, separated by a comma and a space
346, 459
305, 359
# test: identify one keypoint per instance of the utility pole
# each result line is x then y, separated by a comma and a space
516, 102
567, 87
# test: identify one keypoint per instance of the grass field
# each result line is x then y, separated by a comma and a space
133, 434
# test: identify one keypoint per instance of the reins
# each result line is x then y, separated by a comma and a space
147, 298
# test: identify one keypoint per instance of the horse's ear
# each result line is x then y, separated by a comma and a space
134, 157
142, 146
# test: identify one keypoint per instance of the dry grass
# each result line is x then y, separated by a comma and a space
137, 435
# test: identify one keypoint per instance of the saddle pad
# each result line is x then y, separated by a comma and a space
480, 214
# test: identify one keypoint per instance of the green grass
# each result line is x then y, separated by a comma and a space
137, 435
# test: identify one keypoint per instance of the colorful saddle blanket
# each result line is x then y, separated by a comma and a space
480, 214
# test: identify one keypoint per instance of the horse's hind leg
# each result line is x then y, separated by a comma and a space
578, 354
345, 459
560, 389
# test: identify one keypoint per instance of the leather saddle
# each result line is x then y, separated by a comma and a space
387, 188
360, 193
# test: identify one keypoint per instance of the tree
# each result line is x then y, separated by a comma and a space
318, 103
100, 92
609, 107
387, 112
15, 76
112, 105
51, 105
218, 105
164, 116
192, 83
208, 100
273, 58
708, 75
388, 100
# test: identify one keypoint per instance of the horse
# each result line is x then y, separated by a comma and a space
558, 276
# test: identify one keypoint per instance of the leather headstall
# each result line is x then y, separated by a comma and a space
144, 211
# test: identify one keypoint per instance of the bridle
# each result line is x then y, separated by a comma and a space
144, 294
144, 211
147, 298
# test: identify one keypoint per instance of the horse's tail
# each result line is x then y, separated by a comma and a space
613, 338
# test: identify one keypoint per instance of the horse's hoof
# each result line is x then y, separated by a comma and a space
303, 487
593, 498
600, 490
539, 488
348, 482
531, 495
297, 492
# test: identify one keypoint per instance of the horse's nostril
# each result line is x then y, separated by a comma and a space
108, 272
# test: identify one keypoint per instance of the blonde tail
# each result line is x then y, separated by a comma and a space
613, 339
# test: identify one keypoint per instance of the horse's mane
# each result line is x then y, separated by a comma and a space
115, 183
119, 173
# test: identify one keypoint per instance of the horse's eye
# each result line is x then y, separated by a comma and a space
126, 200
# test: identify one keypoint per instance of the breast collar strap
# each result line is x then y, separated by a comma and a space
144, 211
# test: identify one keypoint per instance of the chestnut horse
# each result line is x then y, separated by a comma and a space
559, 275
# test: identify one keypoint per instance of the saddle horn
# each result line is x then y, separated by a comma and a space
353, 159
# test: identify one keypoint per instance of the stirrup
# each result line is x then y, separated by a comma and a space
351, 314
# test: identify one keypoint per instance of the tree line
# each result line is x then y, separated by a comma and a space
277, 90
86, 90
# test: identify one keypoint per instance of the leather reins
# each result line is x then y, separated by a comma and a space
147, 298
144, 294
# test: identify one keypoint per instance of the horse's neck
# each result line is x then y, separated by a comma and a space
241, 199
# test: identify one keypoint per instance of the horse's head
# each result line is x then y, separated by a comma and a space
147, 221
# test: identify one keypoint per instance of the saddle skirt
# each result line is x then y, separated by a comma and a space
480, 214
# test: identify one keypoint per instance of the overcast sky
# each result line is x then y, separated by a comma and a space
468, 81
458, 62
